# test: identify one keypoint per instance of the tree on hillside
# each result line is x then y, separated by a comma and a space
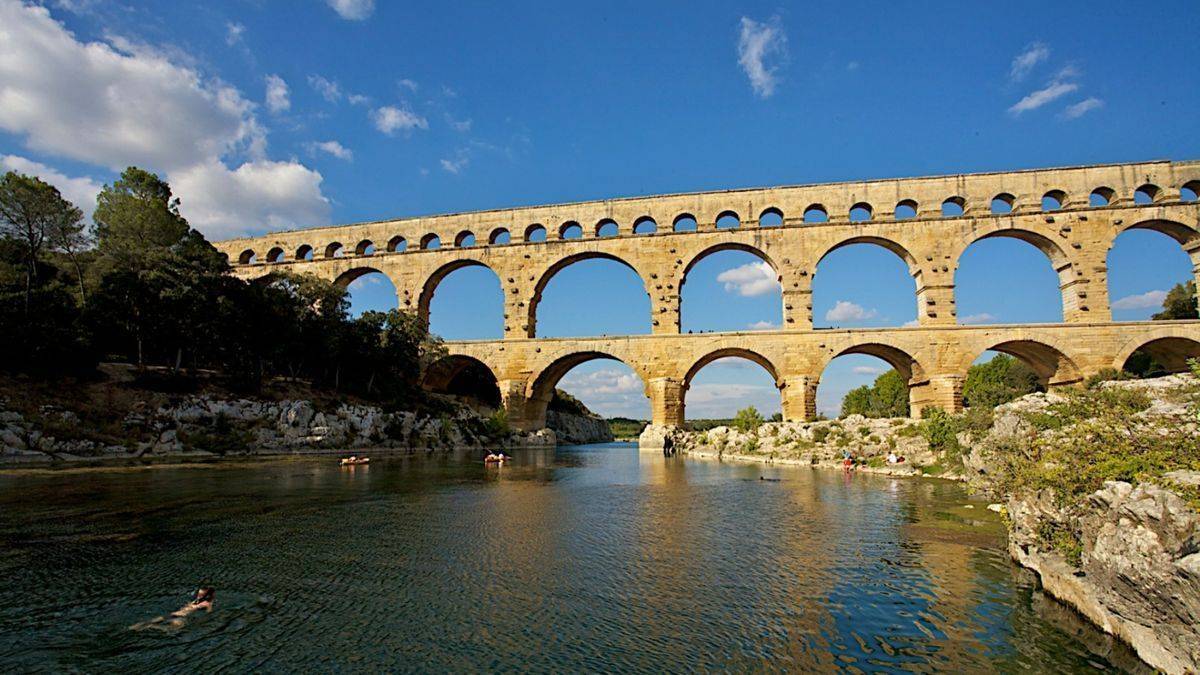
998, 381
887, 397
34, 215
1180, 303
157, 275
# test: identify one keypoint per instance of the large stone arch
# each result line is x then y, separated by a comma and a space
891, 245
732, 352
911, 369
464, 376
347, 277
430, 285
1053, 366
544, 279
1062, 264
1187, 236
542, 383
724, 353
1170, 346
731, 245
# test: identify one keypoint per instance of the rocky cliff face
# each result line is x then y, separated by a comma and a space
1138, 573
203, 426
578, 429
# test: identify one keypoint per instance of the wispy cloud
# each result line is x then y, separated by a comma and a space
844, 310
328, 89
352, 10
867, 370
1147, 300
408, 84
762, 325
456, 164
233, 33
1082, 108
1024, 62
331, 148
277, 94
750, 279
757, 43
982, 317
390, 119
461, 126
1051, 92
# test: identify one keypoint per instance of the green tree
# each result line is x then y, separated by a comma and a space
1180, 303
998, 381
747, 419
887, 397
34, 215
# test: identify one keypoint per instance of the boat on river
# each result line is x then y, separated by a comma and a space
351, 461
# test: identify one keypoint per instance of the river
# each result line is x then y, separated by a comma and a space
584, 558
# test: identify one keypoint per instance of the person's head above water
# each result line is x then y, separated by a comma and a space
205, 594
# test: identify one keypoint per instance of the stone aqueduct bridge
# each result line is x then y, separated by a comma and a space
927, 222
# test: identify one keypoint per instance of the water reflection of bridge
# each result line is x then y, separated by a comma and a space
1071, 215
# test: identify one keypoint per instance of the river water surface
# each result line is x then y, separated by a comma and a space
591, 558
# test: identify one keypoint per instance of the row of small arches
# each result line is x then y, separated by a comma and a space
685, 222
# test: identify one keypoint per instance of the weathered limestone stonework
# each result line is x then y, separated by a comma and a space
1075, 236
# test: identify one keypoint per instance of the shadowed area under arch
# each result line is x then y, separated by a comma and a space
1169, 354
1052, 366
463, 300
589, 294
465, 377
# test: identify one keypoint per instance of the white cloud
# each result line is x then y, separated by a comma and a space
458, 125
844, 310
328, 89
408, 84
112, 108
277, 94
1082, 108
390, 118
331, 148
750, 279
457, 164
867, 370
762, 325
366, 280
1026, 60
721, 400
80, 191
1053, 91
852, 66
982, 317
256, 196
602, 382
234, 33
1147, 300
352, 10
118, 103
358, 99
756, 43
911, 324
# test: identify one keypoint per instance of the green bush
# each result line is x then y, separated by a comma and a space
820, 434
497, 424
747, 419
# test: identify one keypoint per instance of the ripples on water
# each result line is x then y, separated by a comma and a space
587, 558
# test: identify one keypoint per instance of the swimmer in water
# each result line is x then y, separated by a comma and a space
204, 599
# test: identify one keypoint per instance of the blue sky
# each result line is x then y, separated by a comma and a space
270, 114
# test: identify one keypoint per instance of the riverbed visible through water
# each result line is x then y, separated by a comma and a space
588, 558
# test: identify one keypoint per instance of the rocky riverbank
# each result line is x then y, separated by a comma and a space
203, 426
1101, 487
572, 429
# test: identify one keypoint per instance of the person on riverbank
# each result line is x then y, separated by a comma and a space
847, 460
496, 458
203, 601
